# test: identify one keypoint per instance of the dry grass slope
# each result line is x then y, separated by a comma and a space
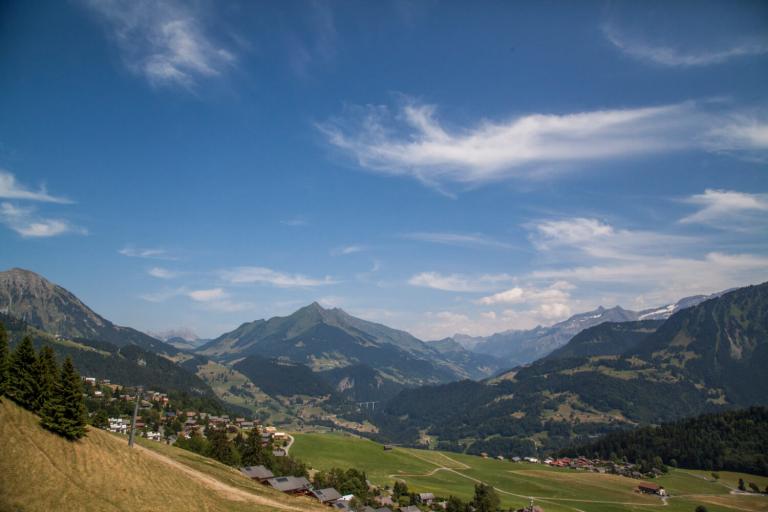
40, 471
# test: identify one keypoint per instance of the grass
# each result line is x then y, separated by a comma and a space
555, 489
40, 471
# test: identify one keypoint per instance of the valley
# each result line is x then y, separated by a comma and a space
445, 473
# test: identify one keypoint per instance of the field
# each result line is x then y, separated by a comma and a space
40, 471
553, 489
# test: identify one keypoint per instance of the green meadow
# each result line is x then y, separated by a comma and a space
554, 489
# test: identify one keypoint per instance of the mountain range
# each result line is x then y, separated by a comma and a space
331, 339
519, 347
703, 358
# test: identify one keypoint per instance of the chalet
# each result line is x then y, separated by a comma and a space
499, 457
647, 488
259, 473
327, 495
516, 459
388, 447
341, 505
247, 425
279, 435
290, 484
90, 380
279, 453
410, 508
153, 436
425, 498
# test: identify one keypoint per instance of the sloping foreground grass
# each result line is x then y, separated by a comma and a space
555, 489
40, 471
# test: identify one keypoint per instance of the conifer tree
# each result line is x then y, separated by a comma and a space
46, 375
21, 376
64, 413
4, 360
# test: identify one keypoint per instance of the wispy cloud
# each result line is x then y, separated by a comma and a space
458, 239
148, 253
162, 273
317, 41
10, 188
262, 275
676, 57
459, 282
347, 249
27, 223
728, 209
414, 142
297, 221
166, 42
597, 239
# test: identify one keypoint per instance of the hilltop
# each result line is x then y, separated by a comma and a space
42, 472
47, 306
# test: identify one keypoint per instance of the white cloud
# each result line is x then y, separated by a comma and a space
29, 225
414, 142
148, 253
162, 273
598, 239
724, 206
460, 239
262, 275
165, 42
459, 282
519, 295
207, 295
348, 249
674, 57
12, 189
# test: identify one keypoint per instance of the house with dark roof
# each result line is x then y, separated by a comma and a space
290, 484
259, 473
425, 498
326, 495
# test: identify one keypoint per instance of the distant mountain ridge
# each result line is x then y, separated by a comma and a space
704, 358
47, 306
327, 339
519, 347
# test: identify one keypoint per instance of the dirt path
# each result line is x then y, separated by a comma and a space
290, 443
226, 490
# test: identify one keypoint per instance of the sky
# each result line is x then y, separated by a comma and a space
440, 167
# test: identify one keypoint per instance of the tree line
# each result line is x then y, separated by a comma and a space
36, 382
732, 441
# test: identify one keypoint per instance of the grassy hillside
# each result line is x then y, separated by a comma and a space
42, 472
555, 489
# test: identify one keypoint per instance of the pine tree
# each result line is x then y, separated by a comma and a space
4, 360
46, 374
21, 381
486, 499
64, 413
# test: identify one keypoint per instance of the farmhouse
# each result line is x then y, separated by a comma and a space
259, 473
327, 495
646, 488
290, 484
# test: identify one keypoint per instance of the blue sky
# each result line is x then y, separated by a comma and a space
436, 166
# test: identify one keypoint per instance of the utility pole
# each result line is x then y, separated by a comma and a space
135, 413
